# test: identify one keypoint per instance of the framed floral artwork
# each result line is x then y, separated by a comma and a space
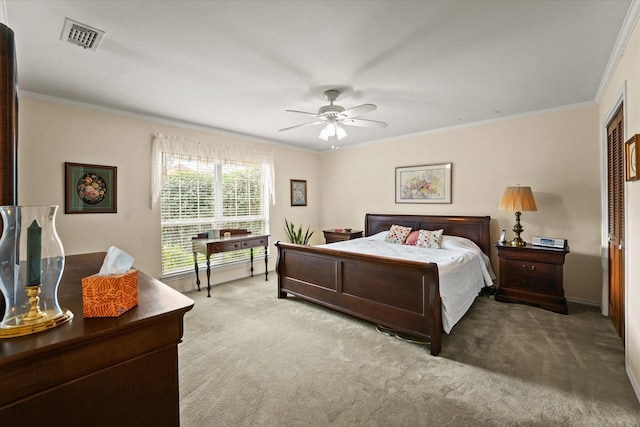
424, 184
298, 192
90, 188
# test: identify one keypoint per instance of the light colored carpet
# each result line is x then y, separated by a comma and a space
250, 359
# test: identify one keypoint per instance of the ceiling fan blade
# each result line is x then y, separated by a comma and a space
319, 122
363, 123
303, 112
359, 110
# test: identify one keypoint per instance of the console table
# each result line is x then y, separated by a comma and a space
97, 371
237, 240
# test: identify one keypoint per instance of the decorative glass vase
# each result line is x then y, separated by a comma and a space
31, 265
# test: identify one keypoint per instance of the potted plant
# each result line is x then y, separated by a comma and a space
297, 236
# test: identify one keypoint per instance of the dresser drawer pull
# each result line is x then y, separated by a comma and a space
533, 267
529, 282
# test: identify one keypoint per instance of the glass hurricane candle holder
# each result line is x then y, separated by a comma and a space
31, 265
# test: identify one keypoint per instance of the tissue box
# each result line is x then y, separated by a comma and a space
109, 296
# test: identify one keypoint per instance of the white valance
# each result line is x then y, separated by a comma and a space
205, 149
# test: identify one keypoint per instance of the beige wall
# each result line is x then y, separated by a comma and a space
52, 133
627, 75
556, 153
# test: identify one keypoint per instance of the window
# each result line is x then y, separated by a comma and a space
200, 193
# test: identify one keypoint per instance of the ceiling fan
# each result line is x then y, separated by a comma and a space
333, 116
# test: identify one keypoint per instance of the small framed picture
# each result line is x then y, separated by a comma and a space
503, 236
298, 192
631, 156
90, 188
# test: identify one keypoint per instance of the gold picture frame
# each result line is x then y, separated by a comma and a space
631, 158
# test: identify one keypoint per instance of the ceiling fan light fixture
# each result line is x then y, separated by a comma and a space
331, 130
327, 131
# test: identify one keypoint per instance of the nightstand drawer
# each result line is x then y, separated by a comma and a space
335, 237
332, 236
530, 283
531, 269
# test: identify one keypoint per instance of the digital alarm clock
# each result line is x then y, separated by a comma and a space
549, 242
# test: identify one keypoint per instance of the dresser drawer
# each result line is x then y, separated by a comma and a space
529, 283
527, 268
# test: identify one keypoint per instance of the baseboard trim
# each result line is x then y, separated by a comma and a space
633, 381
580, 301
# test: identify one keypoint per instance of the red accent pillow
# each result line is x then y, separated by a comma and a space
412, 238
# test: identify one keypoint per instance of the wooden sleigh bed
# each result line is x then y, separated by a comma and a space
397, 294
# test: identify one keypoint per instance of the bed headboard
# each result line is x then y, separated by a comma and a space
474, 228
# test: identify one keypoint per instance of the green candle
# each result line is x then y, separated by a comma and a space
34, 254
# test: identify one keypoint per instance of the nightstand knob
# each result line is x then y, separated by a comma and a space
533, 267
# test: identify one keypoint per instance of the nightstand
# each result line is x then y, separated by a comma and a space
532, 275
340, 234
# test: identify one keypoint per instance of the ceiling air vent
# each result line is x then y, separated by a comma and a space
81, 34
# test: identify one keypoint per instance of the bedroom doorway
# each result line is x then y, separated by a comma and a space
616, 219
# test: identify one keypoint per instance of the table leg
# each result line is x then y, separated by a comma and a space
195, 261
251, 262
208, 278
266, 264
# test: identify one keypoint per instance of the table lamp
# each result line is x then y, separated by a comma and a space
517, 199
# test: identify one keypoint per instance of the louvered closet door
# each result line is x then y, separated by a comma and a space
615, 178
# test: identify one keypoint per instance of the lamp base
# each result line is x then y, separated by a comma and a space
517, 242
17, 326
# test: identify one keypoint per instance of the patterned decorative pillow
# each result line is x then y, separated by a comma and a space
429, 239
397, 234
412, 238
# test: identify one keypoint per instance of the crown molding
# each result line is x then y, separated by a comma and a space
627, 28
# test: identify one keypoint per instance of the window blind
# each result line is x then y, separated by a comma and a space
200, 193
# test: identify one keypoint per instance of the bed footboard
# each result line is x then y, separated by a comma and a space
401, 295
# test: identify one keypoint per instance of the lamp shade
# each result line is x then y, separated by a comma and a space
518, 199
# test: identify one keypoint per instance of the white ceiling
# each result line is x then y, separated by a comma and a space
238, 65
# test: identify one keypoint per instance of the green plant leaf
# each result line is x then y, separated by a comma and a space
296, 236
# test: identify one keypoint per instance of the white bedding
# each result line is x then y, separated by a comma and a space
464, 270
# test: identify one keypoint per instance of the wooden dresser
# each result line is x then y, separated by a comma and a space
120, 371
532, 275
